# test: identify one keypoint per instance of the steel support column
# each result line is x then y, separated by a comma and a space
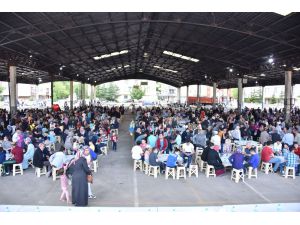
214, 93
71, 94
187, 95
178, 94
240, 94
287, 95
13, 88
262, 97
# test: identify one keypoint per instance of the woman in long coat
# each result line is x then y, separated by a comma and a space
79, 171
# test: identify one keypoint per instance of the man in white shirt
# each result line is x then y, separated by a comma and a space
187, 153
277, 147
15, 137
137, 151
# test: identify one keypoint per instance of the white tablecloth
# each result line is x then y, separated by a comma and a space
244, 142
225, 159
162, 157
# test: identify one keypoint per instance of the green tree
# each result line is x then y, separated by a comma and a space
101, 92
273, 100
77, 89
158, 88
234, 92
1, 90
61, 90
137, 92
109, 93
112, 92
255, 97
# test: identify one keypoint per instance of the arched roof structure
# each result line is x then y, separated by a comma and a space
175, 48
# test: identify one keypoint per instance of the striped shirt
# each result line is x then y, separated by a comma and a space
292, 159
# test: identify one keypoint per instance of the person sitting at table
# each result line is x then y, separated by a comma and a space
292, 160
264, 135
29, 153
236, 133
285, 150
277, 148
268, 156
206, 150
297, 148
172, 159
216, 139
247, 153
227, 147
17, 158
137, 151
144, 144
253, 160
151, 140
162, 143
199, 139
187, 153
153, 159
147, 154
214, 159
237, 159
58, 158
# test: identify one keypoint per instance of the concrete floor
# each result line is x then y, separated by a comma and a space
117, 185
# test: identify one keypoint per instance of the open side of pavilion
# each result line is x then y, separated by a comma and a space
219, 49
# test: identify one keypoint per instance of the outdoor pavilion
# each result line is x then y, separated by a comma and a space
223, 50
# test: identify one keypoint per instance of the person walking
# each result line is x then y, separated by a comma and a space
79, 170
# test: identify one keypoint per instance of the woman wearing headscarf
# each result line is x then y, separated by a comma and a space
79, 170
29, 153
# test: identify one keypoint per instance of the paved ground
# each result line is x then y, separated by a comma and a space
116, 184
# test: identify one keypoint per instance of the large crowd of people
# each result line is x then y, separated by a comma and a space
235, 134
67, 140
70, 140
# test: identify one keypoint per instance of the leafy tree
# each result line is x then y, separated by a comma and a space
234, 92
61, 90
101, 92
137, 93
112, 92
158, 88
256, 97
1, 90
77, 89
109, 93
273, 100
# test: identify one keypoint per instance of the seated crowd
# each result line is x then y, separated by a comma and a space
51, 138
246, 138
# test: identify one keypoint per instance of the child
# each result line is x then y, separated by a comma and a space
114, 140
64, 186
131, 128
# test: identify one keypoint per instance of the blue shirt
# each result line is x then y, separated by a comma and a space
2, 156
178, 140
254, 161
171, 161
288, 138
152, 141
237, 160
